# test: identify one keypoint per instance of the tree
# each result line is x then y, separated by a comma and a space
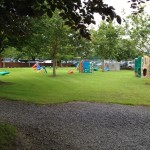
126, 50
3, 42
139, 31
55, 38
11, 52
111, 42
105, 40
80, 46
32, 46
49, 38
137, 6
14, 13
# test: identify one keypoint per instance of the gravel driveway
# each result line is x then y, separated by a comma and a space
80, 125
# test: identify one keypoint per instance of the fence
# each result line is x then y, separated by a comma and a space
19, 65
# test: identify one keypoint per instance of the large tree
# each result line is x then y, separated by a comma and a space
80, 46
49, 37
110, 42
105, 40
126, 50
15, 12
72, 9
138, 29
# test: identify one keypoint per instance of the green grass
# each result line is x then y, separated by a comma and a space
7, 135
109, 87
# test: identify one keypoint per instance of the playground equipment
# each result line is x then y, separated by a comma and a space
4, 73
39, 68
70, 72
142, 66
96, 66
85, 67
95, 69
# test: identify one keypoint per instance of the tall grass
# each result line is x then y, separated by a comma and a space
122, 87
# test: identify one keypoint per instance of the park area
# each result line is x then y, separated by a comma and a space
73, 111
122, 87
78, 108
74, 75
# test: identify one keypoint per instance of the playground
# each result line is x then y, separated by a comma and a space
121, 87
79, 117
142, 67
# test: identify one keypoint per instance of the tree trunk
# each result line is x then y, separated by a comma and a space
33, 58
1, 64
54, 67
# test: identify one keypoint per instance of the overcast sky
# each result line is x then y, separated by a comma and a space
119, 5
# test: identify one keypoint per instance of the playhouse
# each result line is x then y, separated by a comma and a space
142, 66
85, 67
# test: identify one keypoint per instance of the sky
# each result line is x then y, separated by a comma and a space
123, 4
119, 5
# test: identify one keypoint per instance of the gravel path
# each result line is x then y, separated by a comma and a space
80, 125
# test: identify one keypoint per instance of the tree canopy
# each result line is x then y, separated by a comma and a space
77, 14
138, 30
110, 42
15, 14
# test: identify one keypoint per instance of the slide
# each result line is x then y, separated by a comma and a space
4, 73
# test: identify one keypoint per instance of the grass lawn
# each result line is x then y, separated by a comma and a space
121, 87
7, 136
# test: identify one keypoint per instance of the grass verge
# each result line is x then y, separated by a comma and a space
7, 136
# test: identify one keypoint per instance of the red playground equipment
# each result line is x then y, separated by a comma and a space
70, 72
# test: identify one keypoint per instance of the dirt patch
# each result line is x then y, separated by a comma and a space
5, 83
